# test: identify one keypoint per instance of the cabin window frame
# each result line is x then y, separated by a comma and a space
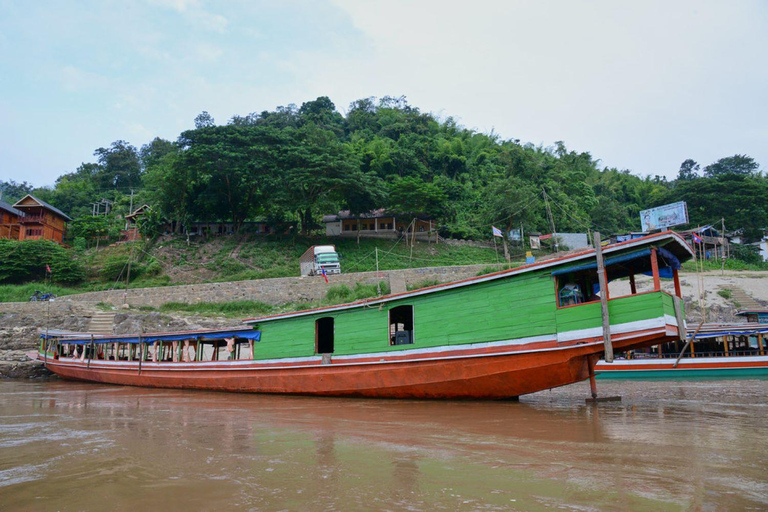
392, 338
633, 291
558, 281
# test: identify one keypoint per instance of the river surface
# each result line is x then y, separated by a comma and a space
668, 445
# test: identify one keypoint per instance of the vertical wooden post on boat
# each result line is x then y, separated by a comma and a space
725, 344
655, 269
141, 352
760, 343
602, 278
677, 302
685, 347
632, 285
592, 383
676, 277
90, 355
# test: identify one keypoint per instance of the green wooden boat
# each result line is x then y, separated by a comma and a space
495, 336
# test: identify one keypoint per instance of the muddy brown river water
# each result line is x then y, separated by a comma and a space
668, 445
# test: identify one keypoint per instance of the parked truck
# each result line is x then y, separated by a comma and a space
319, 257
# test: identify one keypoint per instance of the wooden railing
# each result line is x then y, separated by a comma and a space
32, 219
674, 355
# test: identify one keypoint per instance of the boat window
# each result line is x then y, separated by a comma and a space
401, 325
324, 335
578, 288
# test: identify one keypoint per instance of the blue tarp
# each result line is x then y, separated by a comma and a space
151, 338
668, 262
613, 260
729, 333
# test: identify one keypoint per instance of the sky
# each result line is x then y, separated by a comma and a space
639, 85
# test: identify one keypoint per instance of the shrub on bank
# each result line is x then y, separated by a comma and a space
26, 260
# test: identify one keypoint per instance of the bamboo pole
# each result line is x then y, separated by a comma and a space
603, 299
690, 341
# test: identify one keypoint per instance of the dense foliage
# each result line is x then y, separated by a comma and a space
298, 163
28, 261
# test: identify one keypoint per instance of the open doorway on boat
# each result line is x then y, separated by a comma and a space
401, 325
324, 335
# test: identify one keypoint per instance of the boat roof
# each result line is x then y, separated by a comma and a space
726, 329
216, 334
744, 312
670, 240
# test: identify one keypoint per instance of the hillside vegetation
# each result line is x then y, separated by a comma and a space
290, 166
174, 260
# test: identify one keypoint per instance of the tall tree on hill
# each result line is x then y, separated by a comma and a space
316, 168
11, 191
150, 154
322, 112
228, 169
737, 164
688, 170
120, 165
737, 198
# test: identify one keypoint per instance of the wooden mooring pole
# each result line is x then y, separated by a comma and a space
602, 278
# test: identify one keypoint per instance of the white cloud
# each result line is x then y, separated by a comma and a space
208, 52
176, 5
73, 79
638, 84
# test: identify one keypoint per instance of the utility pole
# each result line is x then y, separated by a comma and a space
551, 220
130, 210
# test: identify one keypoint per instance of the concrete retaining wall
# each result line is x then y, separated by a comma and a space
271, 291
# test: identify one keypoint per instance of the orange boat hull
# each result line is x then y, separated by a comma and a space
473, 376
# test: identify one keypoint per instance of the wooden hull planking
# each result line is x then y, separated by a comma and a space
479, 376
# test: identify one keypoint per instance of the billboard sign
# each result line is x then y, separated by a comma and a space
665, 216
514, 234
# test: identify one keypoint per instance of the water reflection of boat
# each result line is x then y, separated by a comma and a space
725, 350
494, 336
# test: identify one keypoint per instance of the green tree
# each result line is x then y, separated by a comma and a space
120, 166
11, 191
688, 170
316, 169
737, 164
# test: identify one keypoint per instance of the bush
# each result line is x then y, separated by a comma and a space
724, 293
115, 267
341, 293
232, 308
746, 253
26, 260
424, 284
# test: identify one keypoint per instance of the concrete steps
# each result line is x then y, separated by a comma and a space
744, 301
102, 322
